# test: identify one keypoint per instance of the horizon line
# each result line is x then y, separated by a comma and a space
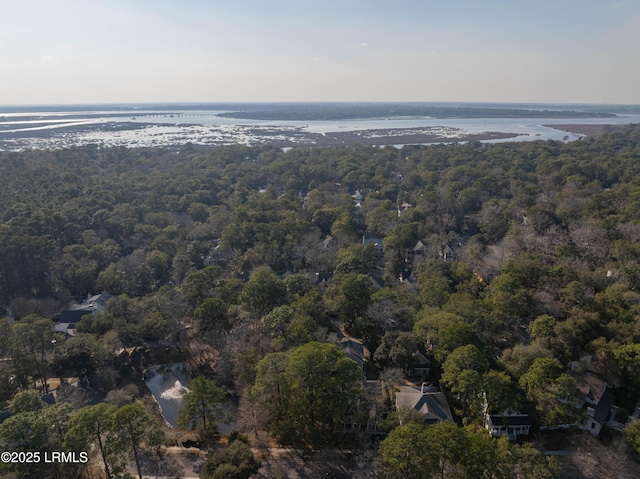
310, 102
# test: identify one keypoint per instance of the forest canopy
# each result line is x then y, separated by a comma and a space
501, 263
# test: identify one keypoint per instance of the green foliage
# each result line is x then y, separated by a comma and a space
542, 229
35, 426
396, 350
202, 405
297, 284
462, 373
353, 296
234, 462
518, 359
263, 291
628, 356
91, 425
434, 283
133, 431
26, 401
82, 355
307, 393
554, 392
31, 345
278, 320
498, 392
445, 450
407, 453
200, 285
213, 317
542, 327
430, 324
356, 258
632, 437
8, 386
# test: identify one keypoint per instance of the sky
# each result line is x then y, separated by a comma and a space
124, 51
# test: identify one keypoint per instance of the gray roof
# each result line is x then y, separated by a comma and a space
604, 407
92, 303
353, 349
352, 346
432, 405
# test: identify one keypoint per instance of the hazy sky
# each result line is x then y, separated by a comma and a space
99, 51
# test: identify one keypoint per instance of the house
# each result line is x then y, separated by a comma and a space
510, 424
430, 403
598, 401
215, 257
403, 208
357, 196
376, 281
406, 276
376, 241
419, 365
68, 329
447, 254
92, 305
358, 217
354, 350
323, 276
416, 253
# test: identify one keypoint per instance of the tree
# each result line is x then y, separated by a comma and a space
354, 292
462, 373
263, 291
308, 392
542, 327
32, 341
8, 386
200, 285
554, 392
407, 454
36, 426
271, 387
201, 406
356, 258
498, 392
628, 355
278, 320
434, 283
397, 350
213, 317
431, 323
234, 462
27, 401
445, 450
133, 431
457, 335
90, 425
297, 284
82, 354
440, 450
632, 437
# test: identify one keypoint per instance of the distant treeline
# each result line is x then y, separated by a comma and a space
333, 111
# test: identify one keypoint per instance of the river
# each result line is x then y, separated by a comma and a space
139, 127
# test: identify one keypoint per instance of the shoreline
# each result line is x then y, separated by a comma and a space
582, 129
136, 135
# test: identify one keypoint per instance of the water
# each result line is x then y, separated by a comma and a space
175, 393
140, 127
168, 384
